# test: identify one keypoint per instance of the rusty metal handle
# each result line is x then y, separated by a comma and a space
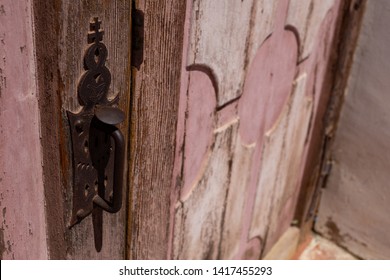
107, 118
119, 162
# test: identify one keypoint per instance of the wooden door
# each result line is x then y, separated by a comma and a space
43, 62
222, 112
251, 95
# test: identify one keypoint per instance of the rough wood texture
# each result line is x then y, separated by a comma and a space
23, 225
154, 118
307, 16
360, 171
254, 86
282, 158
240, 25
61, 29
198, 233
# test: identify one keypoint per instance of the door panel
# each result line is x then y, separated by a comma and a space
252, 79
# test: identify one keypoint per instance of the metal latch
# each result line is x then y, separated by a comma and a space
98, 146
137, 38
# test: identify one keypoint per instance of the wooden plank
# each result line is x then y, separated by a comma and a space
22, 219
264, 106
306, 17
285, 146
359, 175
154, 118
200, 215
221, 29
61, 29
236, 199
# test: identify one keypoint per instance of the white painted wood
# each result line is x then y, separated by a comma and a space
235, 203
199, 218
306, 17
282, 158
220, 37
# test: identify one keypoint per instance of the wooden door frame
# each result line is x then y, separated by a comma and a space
155, 102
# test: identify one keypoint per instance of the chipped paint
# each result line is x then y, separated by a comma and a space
273, 105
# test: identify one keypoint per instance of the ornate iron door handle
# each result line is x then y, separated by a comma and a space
102, 127
97, 175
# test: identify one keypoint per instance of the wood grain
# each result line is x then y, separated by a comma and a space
307, 16
273, 113
155, 102
61, 29
200, 217
221, 28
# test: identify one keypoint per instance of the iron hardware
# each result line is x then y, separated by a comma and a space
97, 176
137, 40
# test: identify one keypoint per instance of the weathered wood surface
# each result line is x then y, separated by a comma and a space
307, 16
61, 29
279, 175
155, 102
221, 27
22, 219
261, 86
354, 206
327, 106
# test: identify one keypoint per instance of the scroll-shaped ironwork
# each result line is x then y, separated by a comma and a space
97, 176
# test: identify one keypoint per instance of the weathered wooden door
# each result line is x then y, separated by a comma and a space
251, 96
252, 77
221, 115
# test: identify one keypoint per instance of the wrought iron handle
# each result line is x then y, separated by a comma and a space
97, 174
103, 127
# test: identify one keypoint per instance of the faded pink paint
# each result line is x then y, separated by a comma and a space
316, 64
199, 128
176, 173
267, 87
266, 90
23, 227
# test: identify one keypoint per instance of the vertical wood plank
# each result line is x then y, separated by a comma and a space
154, 118
61, 29
307, 16
22, 218
236, 27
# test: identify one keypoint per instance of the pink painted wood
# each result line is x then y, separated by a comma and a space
23, 225
242, 213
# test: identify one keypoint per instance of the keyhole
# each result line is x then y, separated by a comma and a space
86, 146
79, 127
105, 181
96, 57
86, 190
96, 77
